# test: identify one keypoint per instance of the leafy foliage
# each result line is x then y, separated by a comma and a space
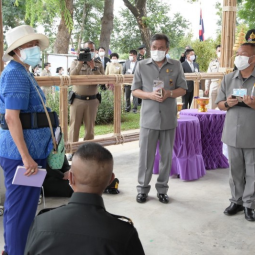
105, 112
246, 12
127, 34
37, 10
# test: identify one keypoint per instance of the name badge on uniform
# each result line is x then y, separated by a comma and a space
171, 83
240, 92
158, 84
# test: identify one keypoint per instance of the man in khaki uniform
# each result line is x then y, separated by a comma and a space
85, 105
46, 72
211, 86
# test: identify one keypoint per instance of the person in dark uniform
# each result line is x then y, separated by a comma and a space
141, 53
140, 56
84, 226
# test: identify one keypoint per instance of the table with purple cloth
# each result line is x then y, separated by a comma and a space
187, 160
211, 125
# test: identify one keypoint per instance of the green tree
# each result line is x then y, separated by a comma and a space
127, 33
246, 12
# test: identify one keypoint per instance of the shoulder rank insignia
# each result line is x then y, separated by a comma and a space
123, 218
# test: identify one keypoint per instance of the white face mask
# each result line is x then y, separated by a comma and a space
241, 62
192, 57
114, 61
96, 55
101, 53
218, 54
158, 55
131, 58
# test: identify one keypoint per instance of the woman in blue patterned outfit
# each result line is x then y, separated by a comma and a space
18, 146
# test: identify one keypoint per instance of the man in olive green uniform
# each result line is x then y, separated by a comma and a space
238, 131
85, 105
212, 85
158, 81
84, 226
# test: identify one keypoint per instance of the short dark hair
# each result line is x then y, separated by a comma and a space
46, 64
58, 69
252, 45
94, 152
218, 46
187, 52
114, 55
134, 52
101, 48
157, 37
89, 42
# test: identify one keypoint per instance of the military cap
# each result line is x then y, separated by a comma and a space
250, 36
141, 47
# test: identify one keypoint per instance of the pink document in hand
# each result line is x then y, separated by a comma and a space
32, 180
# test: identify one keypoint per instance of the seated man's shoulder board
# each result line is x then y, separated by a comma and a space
123, 218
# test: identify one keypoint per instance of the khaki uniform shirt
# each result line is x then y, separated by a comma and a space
113, 68
155, 115
45, 73
78, 68
239, 124
213, 84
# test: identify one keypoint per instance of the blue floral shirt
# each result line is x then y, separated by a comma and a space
17, 92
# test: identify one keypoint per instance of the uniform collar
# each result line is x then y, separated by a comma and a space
86, 198
238, 74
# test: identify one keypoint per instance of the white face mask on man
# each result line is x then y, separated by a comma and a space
242, 62
192, 57
101, 53
158, 55
131, 58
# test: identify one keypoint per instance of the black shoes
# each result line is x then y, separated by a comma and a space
134, 111
163, 198
141, 198
249, 214
233, 209
113, 187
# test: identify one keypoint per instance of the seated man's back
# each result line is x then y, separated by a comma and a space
84, 226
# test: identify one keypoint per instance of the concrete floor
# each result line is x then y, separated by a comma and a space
192, 223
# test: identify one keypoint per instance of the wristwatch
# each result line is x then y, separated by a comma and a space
226, 104
94, 69
171, 93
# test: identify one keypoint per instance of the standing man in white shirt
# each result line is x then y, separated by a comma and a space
212, 85
129, 68
102, 57
189, 66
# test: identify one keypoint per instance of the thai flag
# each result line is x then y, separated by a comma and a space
73, 51
201, 27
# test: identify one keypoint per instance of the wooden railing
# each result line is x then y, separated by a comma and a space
84, 80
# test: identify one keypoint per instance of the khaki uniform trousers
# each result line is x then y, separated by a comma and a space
148, 144
242, 176
82, 111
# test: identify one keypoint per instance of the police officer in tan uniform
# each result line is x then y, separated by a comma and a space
85, 104
211, 86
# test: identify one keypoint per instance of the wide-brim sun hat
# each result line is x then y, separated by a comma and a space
21, 35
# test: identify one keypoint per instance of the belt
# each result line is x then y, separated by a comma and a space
33, 120
86, 97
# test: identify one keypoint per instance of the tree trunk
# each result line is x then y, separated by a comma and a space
107, 25
63, 36
140, 13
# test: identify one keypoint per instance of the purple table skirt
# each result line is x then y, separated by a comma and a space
187, 160
211, 125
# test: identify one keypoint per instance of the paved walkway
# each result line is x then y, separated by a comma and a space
192, 223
